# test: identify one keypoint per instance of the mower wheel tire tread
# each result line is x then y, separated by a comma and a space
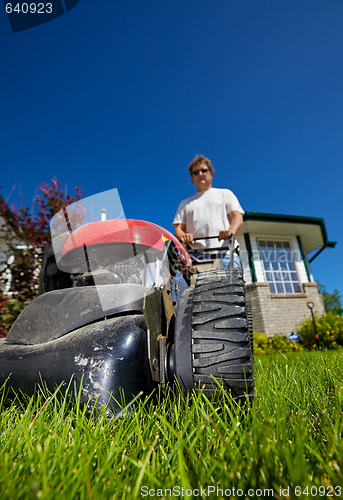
221, 344
251, 327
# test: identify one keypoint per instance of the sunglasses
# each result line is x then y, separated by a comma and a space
200, 170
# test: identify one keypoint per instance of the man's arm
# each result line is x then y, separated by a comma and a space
182, 235
236, 222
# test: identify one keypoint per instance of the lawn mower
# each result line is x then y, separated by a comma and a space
123, 310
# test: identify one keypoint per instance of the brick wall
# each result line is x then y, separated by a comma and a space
280, 313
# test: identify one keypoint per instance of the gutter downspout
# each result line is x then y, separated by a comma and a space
328, 244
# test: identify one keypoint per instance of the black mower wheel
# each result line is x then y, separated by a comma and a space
212, 337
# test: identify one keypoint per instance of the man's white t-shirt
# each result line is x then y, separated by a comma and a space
206, 213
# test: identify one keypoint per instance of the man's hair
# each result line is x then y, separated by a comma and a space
199, 160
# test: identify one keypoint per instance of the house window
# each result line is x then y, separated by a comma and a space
279, 266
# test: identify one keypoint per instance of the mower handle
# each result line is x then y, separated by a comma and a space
230, 238
206, 238
211, 238
231, 244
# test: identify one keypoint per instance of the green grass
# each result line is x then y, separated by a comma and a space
50, 448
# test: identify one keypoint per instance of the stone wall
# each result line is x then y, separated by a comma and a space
280, 313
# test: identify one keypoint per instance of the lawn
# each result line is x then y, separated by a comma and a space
288, 444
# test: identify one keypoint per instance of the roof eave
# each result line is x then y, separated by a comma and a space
295, 219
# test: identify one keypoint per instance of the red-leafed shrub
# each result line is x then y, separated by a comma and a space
24, 234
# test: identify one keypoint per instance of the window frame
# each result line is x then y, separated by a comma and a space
289, 282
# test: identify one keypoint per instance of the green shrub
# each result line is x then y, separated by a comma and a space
278, 343
329, 330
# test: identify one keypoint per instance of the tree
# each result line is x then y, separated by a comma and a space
332, 301
25, 235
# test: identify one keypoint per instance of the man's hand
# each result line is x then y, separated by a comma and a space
186, 238
225, 235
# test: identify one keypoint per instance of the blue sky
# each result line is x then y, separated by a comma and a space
122, 95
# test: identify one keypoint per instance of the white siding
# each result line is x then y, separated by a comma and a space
257, 260
243, 253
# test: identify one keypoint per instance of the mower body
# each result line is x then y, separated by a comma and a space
111, 320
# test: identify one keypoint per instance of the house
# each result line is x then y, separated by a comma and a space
7, 228
274, 251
